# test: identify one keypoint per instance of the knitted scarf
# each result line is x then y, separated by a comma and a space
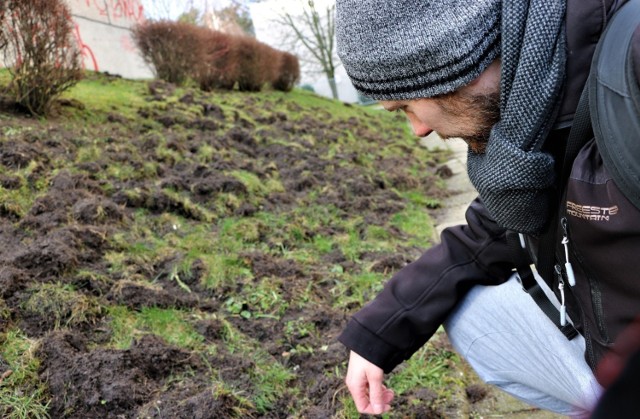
513, 177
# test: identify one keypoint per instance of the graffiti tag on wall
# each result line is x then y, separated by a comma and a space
120, 15
116, 11
85, 50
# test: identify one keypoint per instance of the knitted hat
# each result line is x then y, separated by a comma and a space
407, 49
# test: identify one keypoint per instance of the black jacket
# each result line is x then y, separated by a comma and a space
415, 302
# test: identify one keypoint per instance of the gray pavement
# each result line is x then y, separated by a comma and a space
462, 192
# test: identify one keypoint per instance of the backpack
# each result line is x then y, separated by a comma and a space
614, 101
609, 110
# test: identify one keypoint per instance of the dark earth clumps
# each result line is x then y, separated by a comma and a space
192, 159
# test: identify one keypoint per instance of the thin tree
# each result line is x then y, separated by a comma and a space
314, 30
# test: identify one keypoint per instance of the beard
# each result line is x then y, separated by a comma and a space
477, 113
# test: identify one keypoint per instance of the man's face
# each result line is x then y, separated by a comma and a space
468, 113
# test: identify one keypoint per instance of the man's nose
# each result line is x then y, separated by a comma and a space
420, 128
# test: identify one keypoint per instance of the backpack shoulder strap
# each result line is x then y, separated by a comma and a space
614, 101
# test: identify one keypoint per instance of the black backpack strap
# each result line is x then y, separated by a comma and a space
530, 284
615, 101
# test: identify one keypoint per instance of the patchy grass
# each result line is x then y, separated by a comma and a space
203, 250
172, 325
99, 96
22, 394
61, 304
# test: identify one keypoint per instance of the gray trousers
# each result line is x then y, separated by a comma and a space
511, 344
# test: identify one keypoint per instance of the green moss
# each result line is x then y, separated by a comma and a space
184, 204
206, 153
225, 269
420, 199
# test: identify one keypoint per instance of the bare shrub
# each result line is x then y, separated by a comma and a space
288, 73
214, 59
3, 23
40, 52
255, 64
217, 68
269, 62
171, 48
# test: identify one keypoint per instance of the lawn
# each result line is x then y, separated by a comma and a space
170, 253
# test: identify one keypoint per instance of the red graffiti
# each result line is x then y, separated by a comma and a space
85, 50
99, 5
127, 9
131, 10
127, 44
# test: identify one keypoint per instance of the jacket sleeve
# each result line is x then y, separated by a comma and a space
417, 300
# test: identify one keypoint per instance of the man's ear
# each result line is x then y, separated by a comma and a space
489, 79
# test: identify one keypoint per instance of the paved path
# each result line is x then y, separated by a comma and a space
454, 207
497, 404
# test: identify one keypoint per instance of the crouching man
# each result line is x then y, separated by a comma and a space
505, 77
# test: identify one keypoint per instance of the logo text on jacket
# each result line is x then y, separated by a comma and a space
590, 212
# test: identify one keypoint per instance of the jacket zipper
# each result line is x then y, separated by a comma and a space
594, 286
571, 277
563, 306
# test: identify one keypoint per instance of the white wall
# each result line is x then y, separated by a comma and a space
265, 14
102, 29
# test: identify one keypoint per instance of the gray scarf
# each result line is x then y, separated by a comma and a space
514, 178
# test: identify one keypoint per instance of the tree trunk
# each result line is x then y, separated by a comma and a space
334, 87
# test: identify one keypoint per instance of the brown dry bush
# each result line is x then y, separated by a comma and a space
40, 52
270, 62
217, 68
288, 73
173, 49
215, 60
3, 23
255, 63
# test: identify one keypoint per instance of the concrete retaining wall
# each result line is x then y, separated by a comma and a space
102, 29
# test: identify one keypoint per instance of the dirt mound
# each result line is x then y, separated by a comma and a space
105, 382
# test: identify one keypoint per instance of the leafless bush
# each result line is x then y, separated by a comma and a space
3, 23
40, 51
215, 60
288, 73
173, 49
255, 63
217, 69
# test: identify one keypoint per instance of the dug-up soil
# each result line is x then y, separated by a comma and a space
78, 210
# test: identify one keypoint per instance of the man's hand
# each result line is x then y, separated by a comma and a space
364, 381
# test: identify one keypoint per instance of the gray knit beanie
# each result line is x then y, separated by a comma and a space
404, 49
